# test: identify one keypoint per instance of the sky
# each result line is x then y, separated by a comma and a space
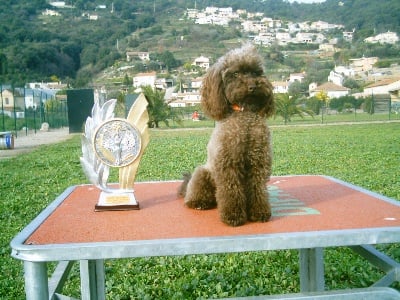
307, 1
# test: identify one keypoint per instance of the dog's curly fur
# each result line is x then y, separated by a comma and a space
239, 97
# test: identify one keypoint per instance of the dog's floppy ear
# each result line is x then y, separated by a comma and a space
269, 107
213, 98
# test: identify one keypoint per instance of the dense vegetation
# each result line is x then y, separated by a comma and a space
364, 155
34, 47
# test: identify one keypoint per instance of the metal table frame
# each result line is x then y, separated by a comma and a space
91, 256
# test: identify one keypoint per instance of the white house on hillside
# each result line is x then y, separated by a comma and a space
143, 79
280, 87
47, 85
283, 38
197, 83
383, 38
338, 75
348, 35
24, 97
385, 86
304, 37
202, 62
348, 72
331, 89
184, 99
264, 38
323, 26
50, 12
59, 4
336, 78
293, 77
141, 55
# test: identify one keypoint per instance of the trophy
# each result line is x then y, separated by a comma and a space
115, 142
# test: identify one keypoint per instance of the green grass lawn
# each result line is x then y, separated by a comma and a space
367, 155
331, 118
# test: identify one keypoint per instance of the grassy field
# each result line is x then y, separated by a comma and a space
307, 120
367, 155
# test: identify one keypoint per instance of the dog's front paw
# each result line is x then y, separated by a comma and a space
201, 203
260, 216
260, 213
234, 218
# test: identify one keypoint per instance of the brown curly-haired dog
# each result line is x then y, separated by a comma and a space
239, 97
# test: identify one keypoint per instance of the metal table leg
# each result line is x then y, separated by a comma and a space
92, 279
382, 261
312, 270
36, 281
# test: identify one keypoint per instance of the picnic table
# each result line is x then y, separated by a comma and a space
309, 213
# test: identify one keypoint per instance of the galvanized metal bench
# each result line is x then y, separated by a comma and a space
310, 213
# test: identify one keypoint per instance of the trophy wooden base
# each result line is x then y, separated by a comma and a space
116, 201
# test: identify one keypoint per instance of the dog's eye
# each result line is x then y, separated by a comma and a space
235, 74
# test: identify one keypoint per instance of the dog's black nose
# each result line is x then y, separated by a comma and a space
252, 88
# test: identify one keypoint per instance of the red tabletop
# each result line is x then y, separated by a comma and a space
300, 203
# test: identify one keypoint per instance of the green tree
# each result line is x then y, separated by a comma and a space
158, 109
275, 54
127, 81
3, 64
352, 84
167, 58
369, 106
314, 105
340, 103
287, 107
298, 88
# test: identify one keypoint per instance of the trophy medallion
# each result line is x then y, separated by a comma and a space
110, 142
117, 143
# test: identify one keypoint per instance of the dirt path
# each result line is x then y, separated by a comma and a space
26, 142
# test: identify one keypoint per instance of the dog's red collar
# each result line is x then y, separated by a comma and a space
236, 107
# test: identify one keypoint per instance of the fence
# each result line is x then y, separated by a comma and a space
23, 116
17, 117
373, 108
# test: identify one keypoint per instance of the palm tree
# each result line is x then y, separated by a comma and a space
287, 106
158, 109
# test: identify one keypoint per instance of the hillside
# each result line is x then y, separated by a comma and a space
74, 46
